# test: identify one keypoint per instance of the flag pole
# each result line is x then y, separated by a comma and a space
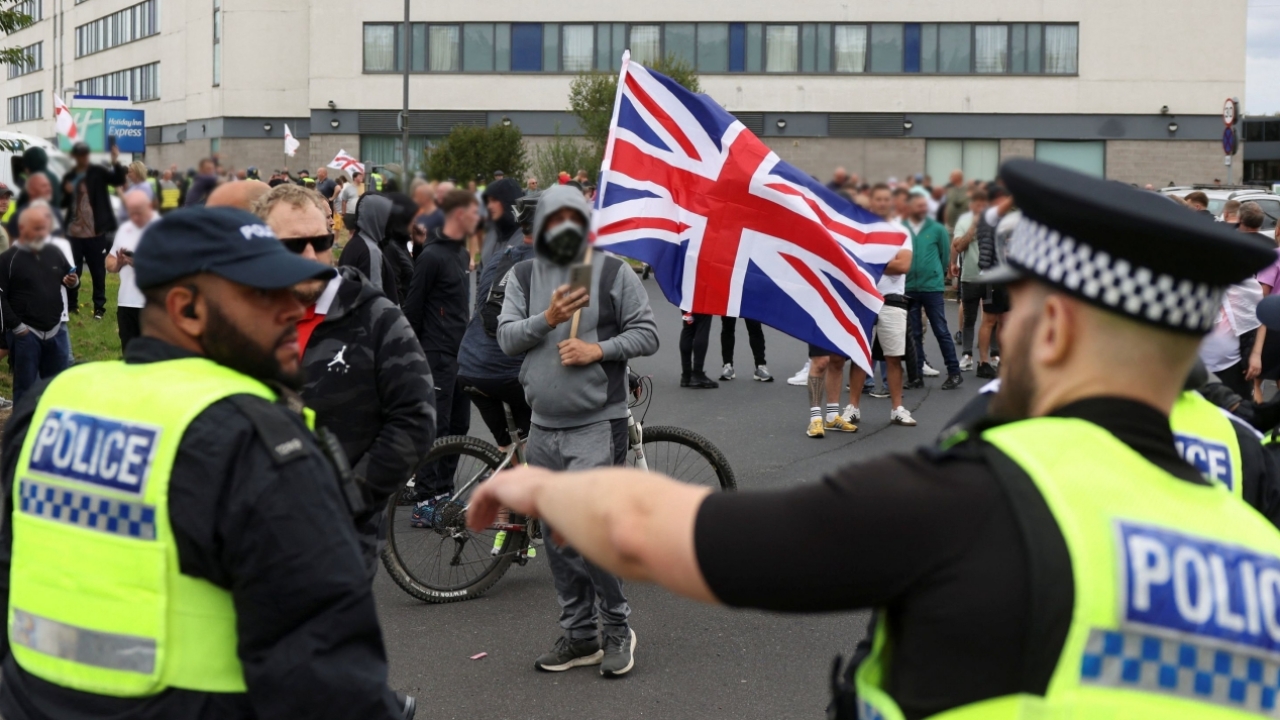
600, 178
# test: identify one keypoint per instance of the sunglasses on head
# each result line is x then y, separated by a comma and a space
319, 243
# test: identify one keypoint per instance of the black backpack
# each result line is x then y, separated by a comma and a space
492, 306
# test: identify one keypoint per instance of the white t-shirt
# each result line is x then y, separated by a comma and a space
896, 284
127, 238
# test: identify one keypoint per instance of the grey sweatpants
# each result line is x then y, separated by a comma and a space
580, 586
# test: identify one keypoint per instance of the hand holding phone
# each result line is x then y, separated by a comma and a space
580, 279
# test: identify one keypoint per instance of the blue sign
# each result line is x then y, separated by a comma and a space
1229, 144
1212, 459
129, 128
1198, 587
96, 450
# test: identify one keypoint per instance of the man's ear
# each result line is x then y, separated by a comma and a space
1056, 330
186, 309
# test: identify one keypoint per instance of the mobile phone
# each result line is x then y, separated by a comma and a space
126, 253
580, 277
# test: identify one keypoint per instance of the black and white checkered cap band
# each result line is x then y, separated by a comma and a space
1112, 282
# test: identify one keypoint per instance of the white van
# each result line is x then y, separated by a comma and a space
13, 144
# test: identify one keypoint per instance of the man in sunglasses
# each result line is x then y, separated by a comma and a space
366, 376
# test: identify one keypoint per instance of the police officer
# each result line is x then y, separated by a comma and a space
176, 543
1065, 563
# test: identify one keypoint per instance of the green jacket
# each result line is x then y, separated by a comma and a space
930, 253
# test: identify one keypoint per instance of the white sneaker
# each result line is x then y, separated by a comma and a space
966, 362
801, 378
852, 414
727, 373
901, 416
929, 371
995, 361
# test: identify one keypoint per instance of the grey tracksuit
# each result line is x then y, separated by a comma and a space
579, 413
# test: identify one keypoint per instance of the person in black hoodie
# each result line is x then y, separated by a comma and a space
91, 220
367, 250
499, 199
366, 376
438, 310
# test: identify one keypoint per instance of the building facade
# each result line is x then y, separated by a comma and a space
1123, 90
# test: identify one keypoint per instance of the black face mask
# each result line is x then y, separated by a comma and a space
563, 243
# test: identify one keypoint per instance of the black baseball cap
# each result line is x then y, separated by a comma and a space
80, 148
224, 241
1122, 249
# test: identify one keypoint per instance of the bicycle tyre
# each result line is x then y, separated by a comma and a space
697, 443
401, 570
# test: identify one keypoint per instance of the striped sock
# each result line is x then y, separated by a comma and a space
833, 411
815, 413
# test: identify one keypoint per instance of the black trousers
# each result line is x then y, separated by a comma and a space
92, 252
453, 417
694, 338
755, 334
1233, 377
971, 295
492, 395
129, 322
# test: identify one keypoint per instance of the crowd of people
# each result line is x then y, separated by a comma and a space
233, 286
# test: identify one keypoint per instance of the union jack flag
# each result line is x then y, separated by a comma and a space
728, 227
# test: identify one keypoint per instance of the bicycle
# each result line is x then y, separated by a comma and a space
449, 563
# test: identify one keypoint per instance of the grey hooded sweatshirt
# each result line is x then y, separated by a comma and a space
565, 397
364, 252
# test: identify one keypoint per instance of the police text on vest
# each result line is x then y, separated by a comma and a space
93, 449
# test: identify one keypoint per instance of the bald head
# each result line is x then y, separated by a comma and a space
39, 187
443, 189
241, 194
138, 205
36, 222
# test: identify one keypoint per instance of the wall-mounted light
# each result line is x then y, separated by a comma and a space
266, 127
907, 125
782, 124
334, 123
506, 121
1173, 127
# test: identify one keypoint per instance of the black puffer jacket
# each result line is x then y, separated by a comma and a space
369, 383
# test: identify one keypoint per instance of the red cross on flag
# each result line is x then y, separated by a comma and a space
346, 163
66, 125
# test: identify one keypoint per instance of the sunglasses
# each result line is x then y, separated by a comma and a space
319, 243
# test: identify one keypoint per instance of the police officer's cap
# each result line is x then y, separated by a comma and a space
224, 241
1126, 250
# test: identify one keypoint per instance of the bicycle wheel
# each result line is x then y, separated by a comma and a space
685, 456
447, 562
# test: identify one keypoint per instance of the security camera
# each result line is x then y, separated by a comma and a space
1164, 109
334, 106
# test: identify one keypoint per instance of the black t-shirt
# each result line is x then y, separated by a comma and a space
933, 539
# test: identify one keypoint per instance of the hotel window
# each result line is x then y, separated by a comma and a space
713, 47
681, 42
851, 48
34, 8
990, 49
646, 43
125, 26
26, 107
35, 61
139, 84
578, 47
526, 47
217, 42
782, 48
1061, 44
886, 48
381, 47
443, 48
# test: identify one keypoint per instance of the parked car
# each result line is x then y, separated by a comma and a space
1219, 195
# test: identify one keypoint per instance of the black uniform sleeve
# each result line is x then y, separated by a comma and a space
406, 395
279, 537
8, 318
859, 538
415, 303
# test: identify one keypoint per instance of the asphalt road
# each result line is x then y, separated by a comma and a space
692, 660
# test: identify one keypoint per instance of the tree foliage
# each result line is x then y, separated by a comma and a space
11, 21
591, 97
470, 151
562, 153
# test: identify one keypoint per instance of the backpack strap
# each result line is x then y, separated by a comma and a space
523, 272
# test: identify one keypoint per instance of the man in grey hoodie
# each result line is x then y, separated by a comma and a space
577, 388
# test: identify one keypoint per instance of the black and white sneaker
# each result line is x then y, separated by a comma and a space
569, 654
727, 372
762, 374
619, 654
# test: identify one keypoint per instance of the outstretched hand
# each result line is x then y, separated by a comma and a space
515, 489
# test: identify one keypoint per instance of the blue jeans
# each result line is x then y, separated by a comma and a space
34, 359
935, 308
